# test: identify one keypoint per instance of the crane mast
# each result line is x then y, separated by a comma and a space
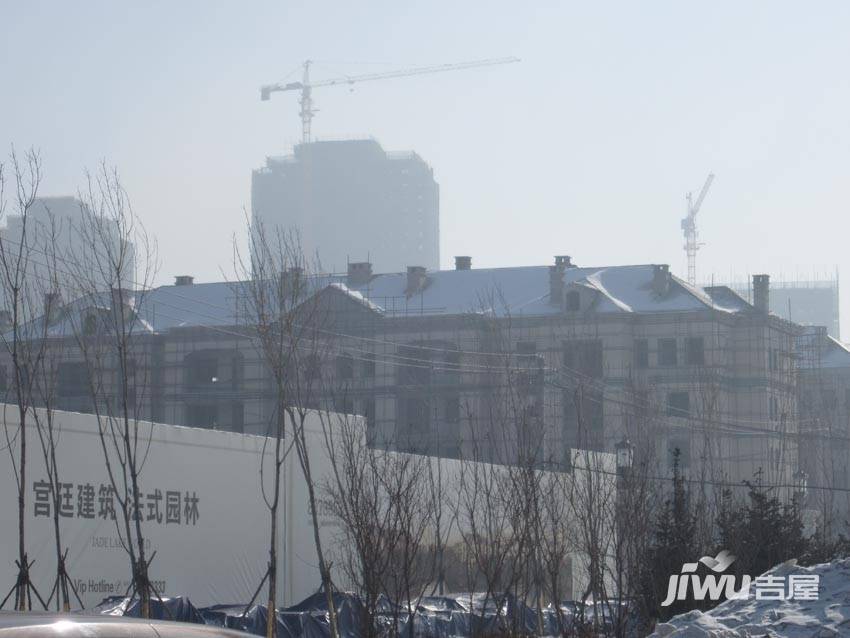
689, 228
307, 111
306, 86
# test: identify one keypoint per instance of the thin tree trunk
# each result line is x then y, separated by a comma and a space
271, 622
22, 595
323, 567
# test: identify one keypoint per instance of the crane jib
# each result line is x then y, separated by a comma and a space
305, 86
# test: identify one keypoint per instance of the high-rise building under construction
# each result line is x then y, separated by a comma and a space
352, 201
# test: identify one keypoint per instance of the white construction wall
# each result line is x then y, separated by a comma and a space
203, 513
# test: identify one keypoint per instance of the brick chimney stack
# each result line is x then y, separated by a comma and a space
761, 293
359, 274
463, 262
556, 279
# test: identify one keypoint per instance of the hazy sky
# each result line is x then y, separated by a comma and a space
586, 147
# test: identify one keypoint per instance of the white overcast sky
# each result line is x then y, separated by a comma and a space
586, 147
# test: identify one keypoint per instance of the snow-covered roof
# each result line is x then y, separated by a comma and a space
520, 291
525, 291
818, 349
836, 356
726, 298
355, 295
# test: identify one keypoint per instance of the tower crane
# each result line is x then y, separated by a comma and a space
306, 86
689, 227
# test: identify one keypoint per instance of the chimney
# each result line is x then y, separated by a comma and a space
119, 295
52, 303
359, 274
184, 280
661, 279
415, 279
565, 261
556, 279
463, 262
289, 281
761, 293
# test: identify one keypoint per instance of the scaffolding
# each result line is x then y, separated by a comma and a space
807, 302
718, 386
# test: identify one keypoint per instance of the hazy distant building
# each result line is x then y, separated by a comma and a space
808, 303
57, 220
353, 202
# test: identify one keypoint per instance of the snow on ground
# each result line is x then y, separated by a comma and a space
823, 618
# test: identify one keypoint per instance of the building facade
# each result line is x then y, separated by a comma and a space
493, 363
352, 201
55, 229
824, 417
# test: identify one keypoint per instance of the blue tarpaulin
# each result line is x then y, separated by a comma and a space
447, 616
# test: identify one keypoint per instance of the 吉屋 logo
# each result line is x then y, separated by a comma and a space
714, 586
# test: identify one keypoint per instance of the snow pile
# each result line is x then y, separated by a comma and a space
823, 618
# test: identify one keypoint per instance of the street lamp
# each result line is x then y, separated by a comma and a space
625, 453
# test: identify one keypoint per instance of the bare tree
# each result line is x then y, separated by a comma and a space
556, 543
505, 477
706, 445
484, 524
444, 519
49, 331
23, 177
112, 268
593, 503
289, 324
412, 567
357, 496
635, 503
